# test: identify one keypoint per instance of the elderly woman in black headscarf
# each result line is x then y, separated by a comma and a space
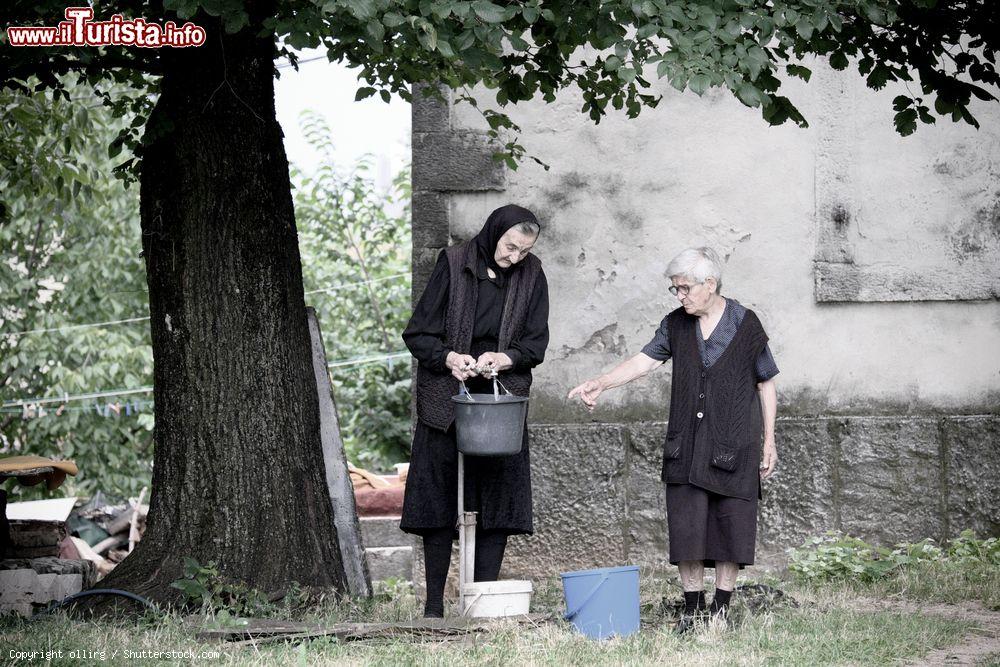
484, 312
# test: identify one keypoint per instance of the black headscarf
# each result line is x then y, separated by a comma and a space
499, 222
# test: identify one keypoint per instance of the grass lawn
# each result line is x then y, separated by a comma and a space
826, 626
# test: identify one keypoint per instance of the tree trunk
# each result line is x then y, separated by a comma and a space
238, 474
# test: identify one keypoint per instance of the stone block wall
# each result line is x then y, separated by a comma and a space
889, 396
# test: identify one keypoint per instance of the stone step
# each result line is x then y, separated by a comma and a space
390, 563
383, 532
20, 590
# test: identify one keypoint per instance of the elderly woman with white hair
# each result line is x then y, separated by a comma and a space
720, 436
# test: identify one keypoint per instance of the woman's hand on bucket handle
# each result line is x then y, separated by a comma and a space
491, 363
462, 366
588, 393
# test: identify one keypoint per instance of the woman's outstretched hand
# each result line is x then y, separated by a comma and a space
588, 393
462, 366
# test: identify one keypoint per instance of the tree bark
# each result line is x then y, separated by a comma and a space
238, 474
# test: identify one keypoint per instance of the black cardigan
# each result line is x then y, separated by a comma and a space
716, 423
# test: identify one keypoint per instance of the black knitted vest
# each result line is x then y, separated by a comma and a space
434, 390
716, 423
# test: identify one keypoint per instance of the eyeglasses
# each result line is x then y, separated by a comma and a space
682, 290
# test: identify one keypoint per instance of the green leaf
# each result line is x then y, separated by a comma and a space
234, 21
376, 31
116, 147
299, 40
798, 70
487, 11
392, 19
465, 39
626, 74
873, 13
191, 566
517, 42
981, 93
530, 14
901, 102
612, 64
364, 92
647, 31
428, 37
749, 95
879, 76
445, 49
804, 28
906, 122
838, 60
699, 83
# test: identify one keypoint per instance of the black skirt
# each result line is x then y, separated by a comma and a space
708, 527
499, 488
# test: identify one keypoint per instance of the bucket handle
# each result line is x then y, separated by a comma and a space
470, 605
496, 380
570, 615
464, 391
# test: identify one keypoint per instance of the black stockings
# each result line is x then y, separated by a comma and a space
490, 546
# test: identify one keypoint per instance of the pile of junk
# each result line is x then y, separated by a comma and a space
50, 549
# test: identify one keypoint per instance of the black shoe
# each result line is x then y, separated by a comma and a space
689, 622
692, 612
721, 618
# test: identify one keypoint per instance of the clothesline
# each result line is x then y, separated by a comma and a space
132, 320
367, 360
129, 408
76, 326
362, 282
21, 402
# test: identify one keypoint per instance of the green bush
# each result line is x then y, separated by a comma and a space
837, 557
355, 236
70, 254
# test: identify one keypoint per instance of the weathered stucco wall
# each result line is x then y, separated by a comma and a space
872, 260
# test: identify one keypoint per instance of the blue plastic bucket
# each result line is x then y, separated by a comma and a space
604, 602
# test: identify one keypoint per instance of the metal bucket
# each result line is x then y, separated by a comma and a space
489, 424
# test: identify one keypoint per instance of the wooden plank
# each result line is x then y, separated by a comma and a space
338, 478
266, 630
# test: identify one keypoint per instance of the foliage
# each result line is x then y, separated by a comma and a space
70, 255
836, 557
350, 233
204, 588
610, 50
